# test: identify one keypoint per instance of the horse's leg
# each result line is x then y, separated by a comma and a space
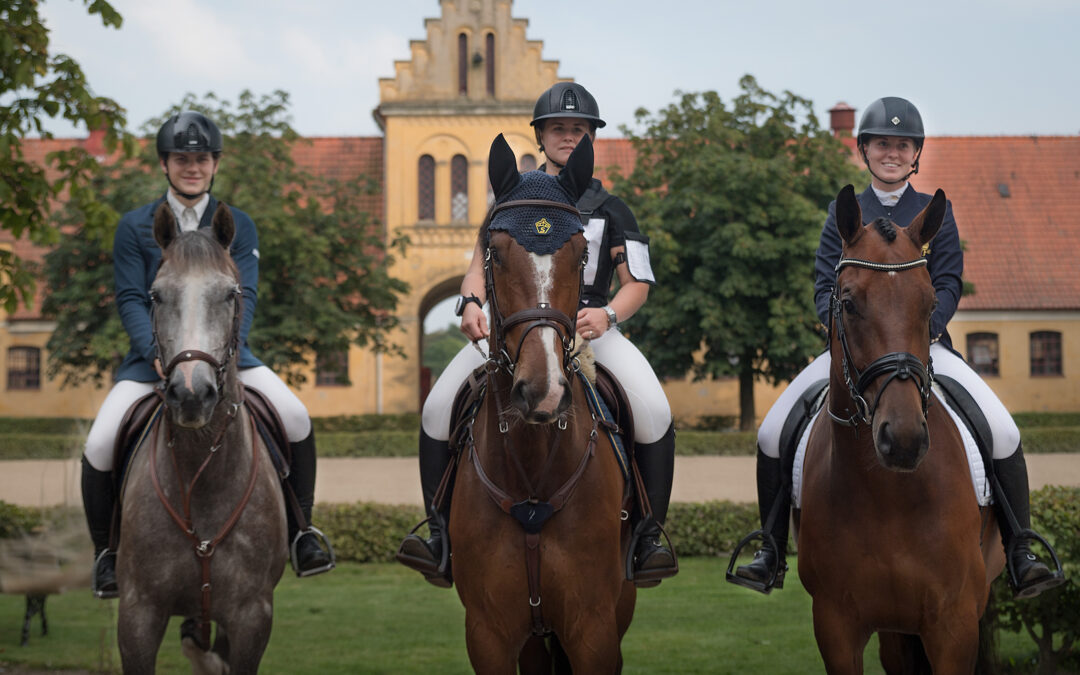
952, 643
249, 633
593, 646
139, 629
839, 641
490, 650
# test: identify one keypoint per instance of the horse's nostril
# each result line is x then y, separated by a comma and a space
884, 443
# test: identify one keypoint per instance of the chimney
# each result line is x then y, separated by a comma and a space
842, 120
95, 143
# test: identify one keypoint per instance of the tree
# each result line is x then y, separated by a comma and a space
35, 86
324, 281
733, 199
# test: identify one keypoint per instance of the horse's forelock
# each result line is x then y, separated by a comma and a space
886, 228
196, 251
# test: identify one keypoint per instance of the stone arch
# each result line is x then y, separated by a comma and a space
447, 288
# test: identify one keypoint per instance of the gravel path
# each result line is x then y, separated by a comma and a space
394, 480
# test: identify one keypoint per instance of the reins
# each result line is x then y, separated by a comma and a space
897, 365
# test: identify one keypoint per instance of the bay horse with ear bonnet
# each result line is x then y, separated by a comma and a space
536, 515
890, 534
203, 519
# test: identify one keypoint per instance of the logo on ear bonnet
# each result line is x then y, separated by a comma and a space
542, 226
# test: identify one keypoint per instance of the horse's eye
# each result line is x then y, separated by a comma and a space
155, 297
849, 306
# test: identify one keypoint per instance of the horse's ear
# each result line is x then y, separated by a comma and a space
502, 168
577, 173
927, 224
848, 214
223, 225
165, 230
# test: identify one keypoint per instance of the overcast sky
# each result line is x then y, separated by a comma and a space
973, 68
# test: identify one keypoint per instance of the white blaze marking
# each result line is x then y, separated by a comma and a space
543, 275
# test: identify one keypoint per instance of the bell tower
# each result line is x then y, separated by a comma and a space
476, 75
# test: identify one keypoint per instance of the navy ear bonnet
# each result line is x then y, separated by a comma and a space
541, 230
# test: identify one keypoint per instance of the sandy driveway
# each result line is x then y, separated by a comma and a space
392, 480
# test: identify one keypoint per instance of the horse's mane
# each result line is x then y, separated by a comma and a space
886, 228
195, 251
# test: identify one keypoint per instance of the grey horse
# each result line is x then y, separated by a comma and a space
203, 531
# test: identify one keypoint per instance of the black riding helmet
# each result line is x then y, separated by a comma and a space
565, 99
188, 131
892, 116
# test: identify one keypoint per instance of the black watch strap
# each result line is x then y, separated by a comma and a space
464, 300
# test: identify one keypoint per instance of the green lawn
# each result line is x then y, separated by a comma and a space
382, 618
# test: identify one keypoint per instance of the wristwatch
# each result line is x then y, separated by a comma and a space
463, 300
612, 320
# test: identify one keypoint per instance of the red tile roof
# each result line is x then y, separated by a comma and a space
1021, 250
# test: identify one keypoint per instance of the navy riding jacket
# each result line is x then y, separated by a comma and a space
945, 260
136, 257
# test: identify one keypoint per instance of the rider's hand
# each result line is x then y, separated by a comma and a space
592, 322
159, 369
474, 322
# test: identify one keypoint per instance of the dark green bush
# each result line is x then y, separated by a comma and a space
1052, 619
400, 422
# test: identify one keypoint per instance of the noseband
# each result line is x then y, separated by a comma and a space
543, 315
184, 355
898, 365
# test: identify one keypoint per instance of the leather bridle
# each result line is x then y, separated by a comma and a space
897, 365
543, 315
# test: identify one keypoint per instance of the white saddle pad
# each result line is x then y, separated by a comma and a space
978, 471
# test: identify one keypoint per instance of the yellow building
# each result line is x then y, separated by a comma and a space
476, 74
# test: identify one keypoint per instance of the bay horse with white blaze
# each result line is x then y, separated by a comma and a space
891, 537
536, 516
203, 530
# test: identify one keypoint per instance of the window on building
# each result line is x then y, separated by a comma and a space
489, 63
463, 63
332, 369
1046, 353
982, 353
24, 368
459, 188
527, 163
425, 180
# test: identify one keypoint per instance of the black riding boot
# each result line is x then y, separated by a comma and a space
656, 462
99, 498
426, 555
771, 488
1030, 576
306, 542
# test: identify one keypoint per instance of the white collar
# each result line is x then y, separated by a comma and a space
890, 197
178, 208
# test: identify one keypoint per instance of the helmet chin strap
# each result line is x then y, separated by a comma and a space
186, 195
914, 169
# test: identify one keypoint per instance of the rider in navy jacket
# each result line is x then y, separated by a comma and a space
890, 140
189, 147
945, 259
136, 258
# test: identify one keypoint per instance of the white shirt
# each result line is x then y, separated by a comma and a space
890, 198
188, 217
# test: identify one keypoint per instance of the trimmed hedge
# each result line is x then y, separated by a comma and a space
396, 436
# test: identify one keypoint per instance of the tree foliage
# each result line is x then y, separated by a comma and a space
36, 86
323, 271
733, 198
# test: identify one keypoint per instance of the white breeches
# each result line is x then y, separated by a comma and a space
101, 441
649, 404
1006, 436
